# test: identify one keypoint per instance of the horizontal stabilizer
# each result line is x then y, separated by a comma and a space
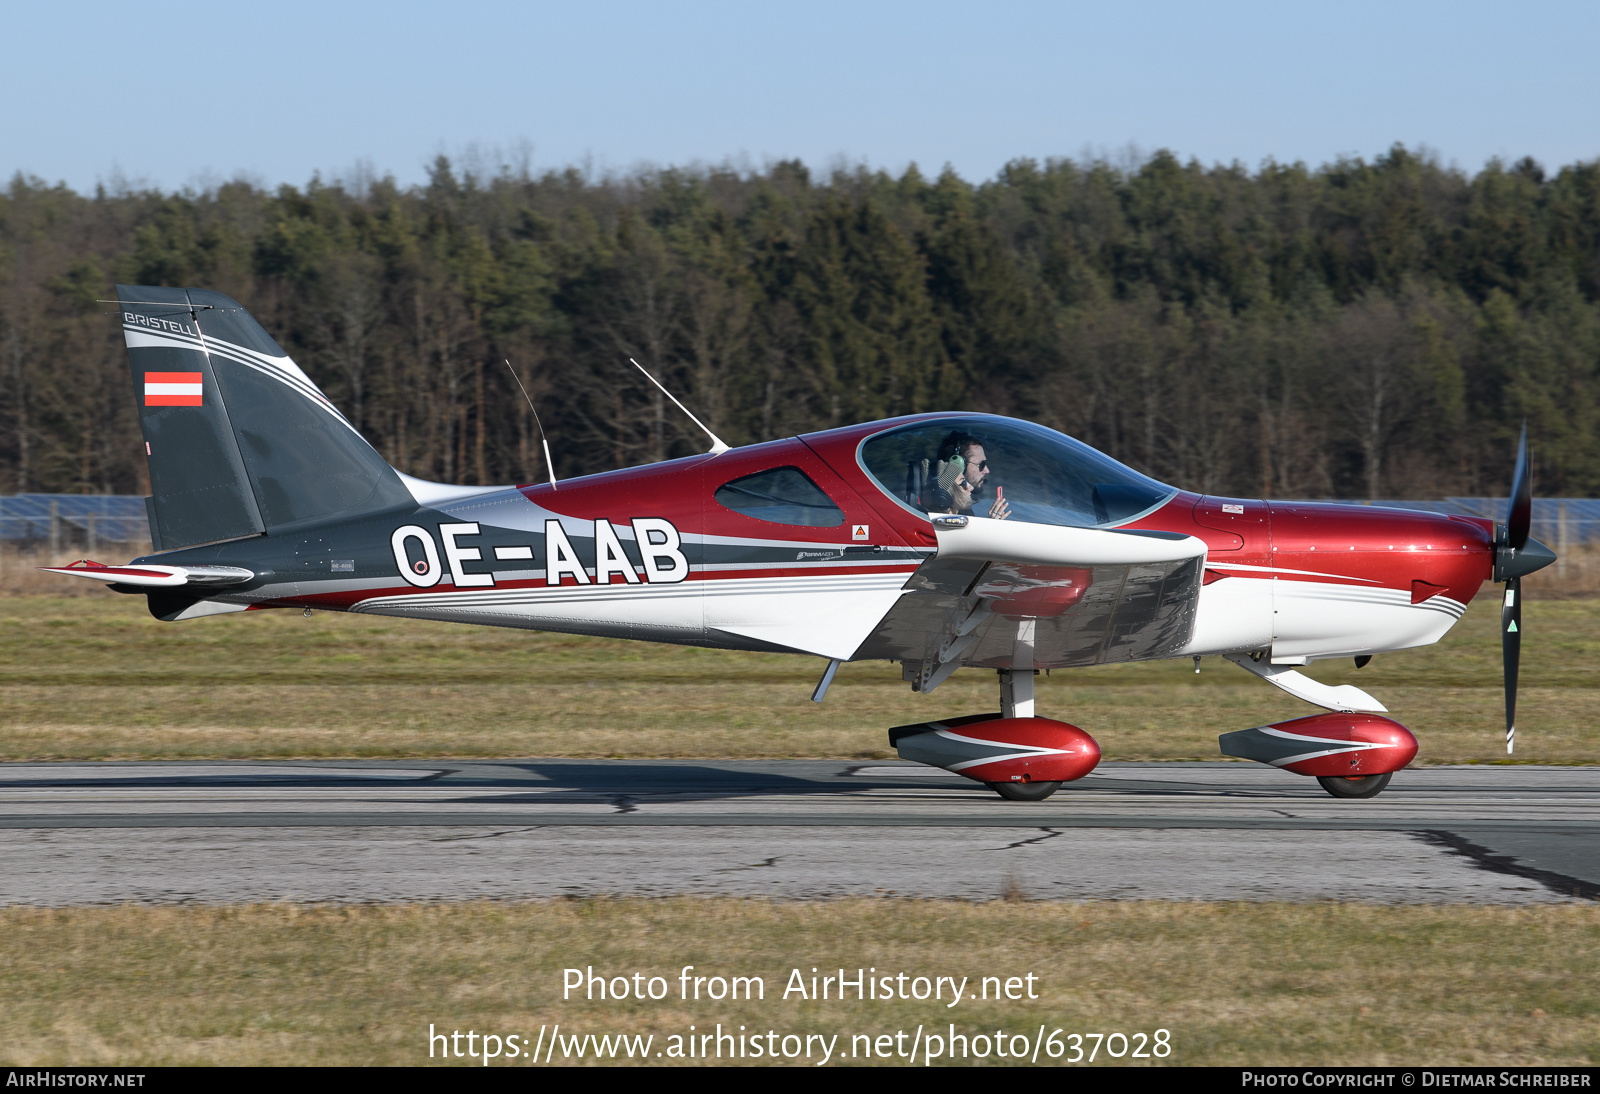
158, 577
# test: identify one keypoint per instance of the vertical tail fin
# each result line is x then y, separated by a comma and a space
239, 440
200, 491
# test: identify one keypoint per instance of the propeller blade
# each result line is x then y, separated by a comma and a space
1511, 651
1519, 519
1515, 555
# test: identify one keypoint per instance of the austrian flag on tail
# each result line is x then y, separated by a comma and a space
172, 389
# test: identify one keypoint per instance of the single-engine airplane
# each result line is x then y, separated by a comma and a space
938, 541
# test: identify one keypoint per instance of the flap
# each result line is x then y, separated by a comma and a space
1087, 596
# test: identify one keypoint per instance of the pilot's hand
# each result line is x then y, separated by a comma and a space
1000, 509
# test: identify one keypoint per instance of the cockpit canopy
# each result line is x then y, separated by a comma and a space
1045, 477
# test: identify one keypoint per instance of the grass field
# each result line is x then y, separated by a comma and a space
1234, 984
96, 678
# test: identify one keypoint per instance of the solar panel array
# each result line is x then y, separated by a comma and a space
119, 518
78, 517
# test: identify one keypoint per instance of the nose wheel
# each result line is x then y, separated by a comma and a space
1025, 792
1369, 786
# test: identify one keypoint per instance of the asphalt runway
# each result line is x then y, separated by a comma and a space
519, 829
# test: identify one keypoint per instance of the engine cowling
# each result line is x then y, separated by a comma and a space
1338, 745
992, 749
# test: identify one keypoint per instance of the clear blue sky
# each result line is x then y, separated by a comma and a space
181, 95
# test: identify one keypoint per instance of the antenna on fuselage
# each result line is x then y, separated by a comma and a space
718, 445
549, 464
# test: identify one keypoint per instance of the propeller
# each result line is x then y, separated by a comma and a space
1515, 555
1511, 654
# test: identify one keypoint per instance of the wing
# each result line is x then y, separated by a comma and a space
1006, 594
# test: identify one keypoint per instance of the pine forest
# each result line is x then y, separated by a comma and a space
1361, 329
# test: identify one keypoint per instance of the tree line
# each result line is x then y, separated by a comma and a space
1362, 329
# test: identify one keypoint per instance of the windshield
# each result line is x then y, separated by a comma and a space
1007, 469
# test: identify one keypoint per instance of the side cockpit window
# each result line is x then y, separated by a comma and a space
1006, 469
783, 495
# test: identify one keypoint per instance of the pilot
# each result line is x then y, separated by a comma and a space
951, 492
967, 451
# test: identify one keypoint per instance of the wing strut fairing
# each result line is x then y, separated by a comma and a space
1345, 697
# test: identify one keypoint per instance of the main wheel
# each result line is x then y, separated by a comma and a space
1368, 786
1025, 792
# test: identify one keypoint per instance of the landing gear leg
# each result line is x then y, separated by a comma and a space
1016, 701
1016, 683
1016, 694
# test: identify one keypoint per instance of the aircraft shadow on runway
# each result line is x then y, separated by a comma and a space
618, 782
622, 782
612, 781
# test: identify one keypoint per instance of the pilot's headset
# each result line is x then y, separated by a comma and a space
950, 470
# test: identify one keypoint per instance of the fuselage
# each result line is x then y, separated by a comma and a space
680, 552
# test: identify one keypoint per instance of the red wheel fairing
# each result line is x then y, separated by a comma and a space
1333, 745
990, 749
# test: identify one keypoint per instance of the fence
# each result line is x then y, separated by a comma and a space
60, 521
